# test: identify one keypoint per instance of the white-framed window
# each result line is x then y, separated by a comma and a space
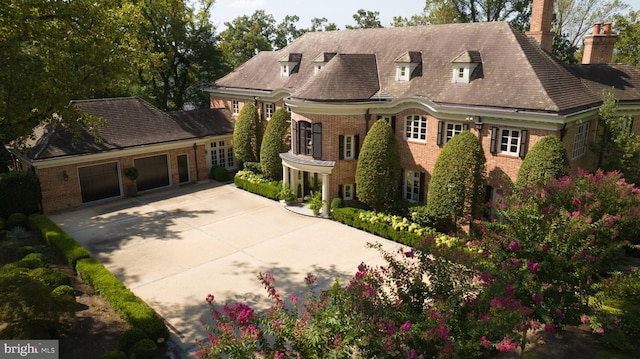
235, 106
222, 154
347, 192
460, 72
284, 70
580, 141
412, 186
348, 147
402, 73
509, 141
452, 129
415, 128
269, 108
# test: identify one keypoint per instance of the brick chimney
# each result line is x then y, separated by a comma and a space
598, 47
540, 29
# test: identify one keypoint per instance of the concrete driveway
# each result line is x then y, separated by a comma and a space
173, 247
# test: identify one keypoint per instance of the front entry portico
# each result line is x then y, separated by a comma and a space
293, 174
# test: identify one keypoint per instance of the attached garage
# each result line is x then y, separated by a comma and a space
153, 172
99, 181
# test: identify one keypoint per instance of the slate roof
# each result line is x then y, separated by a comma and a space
517, 74
130, 122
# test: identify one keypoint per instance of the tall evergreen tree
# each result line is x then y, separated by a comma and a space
378, 172
247, 134
458, 181
274, 143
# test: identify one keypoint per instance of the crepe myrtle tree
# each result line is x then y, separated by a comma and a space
247, 134
547, 159
378, 172
457, 186
275, 142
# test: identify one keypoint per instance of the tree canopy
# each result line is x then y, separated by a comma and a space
627, 48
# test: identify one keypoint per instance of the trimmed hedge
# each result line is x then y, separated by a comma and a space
131, 308
257, 184
351, 217
64, 244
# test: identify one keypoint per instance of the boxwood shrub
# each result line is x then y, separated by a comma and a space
64, 244
256, 183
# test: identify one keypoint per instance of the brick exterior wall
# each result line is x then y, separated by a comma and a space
58, 194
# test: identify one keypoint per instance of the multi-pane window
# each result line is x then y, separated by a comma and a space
235, 106
222, 154
460, 72
269, 108
348, 147
510, 141
416, 128
306, 138
412, 186
348, 192
580, 141
452, 130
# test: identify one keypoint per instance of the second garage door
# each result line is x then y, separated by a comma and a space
153, 172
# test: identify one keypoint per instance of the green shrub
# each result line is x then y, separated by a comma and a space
257, 184
116, 354
17, 220
254, 167
52, 277
274, 143
64, 244
24, 250
458, 180
247, 134
129, 338
2, 223
131, 308
64, 290
144, 349
19, 193
337, 203
547, 159
219, 173
378, 172
32, 260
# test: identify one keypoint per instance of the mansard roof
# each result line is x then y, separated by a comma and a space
517, 73
129, 122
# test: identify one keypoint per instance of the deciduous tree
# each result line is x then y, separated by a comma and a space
245, 36
627, 48
366, 20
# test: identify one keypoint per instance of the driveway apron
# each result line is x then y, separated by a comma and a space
174, 247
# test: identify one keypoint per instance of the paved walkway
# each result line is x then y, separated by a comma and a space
173, 247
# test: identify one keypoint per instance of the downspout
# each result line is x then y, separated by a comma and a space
195, 156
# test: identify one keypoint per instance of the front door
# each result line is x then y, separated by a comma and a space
183, 168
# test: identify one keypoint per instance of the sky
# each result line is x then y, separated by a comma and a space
339, 12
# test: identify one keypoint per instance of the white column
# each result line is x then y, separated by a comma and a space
285, 175
325, 195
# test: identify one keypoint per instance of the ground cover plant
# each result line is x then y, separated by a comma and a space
552, 261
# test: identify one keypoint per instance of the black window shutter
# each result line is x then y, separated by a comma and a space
340, 191
354, 193
465, 127
356, 139
317, 140
302, 135
524, 143
341, 147
494, 137
440, 128
422, 179
393, 123
294, 137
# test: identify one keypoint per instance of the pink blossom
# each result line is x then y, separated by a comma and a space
506, 345
411, 253
406, 326
411, 354
575, 214
532, 266
538, 298
210, 298
584, 319
514, 246
484, 342
575, 201
600, 330
294, 298
509, 289
544, 210
548, 328
559, 313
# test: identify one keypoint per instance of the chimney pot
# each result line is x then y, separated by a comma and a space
596, 28
607, 28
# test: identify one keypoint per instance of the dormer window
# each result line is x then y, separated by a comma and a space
466, 67
408, 65
321, 60
289, 64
